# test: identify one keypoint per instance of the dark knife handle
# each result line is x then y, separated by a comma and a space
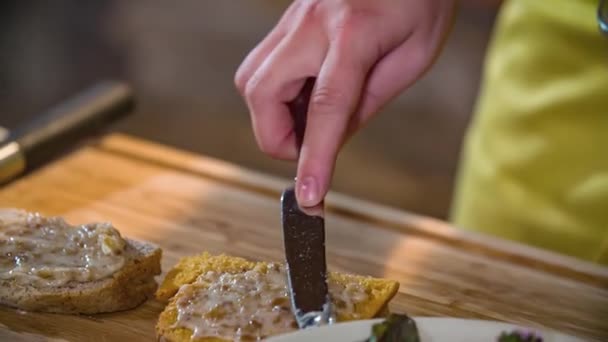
63, 126
299, 110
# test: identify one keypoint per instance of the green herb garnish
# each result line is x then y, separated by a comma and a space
401, 328
396, 328
519, 336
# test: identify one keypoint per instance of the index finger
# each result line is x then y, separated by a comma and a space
334, 99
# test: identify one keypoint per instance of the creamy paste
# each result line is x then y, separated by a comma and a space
49, 252
249, 306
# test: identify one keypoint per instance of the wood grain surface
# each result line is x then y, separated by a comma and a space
188, 204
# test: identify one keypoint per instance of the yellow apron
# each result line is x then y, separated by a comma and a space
535, 160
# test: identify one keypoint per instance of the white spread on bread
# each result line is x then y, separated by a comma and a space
249, 306
50, 252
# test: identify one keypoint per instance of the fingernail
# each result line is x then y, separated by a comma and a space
308, 192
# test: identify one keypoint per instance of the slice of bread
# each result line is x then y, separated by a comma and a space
129, 287
126, 289
379, 292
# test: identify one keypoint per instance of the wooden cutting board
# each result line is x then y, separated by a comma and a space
189, 203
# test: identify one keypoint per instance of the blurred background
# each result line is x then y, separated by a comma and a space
180, 57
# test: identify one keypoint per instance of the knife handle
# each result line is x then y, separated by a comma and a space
299, 110
59, 129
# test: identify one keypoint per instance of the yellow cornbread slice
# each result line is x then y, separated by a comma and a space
378, 291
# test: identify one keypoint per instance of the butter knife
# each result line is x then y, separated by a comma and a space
304, 241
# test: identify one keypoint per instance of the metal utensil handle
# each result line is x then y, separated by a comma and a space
62, 127
299, 110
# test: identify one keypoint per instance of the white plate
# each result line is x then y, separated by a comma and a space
430, 329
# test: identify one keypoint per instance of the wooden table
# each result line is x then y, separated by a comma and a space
189, 203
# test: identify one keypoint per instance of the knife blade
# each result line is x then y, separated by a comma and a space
304, 240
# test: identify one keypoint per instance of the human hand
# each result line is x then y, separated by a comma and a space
363, 53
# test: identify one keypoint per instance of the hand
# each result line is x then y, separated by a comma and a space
362, 52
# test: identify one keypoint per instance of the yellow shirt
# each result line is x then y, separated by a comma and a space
535, 160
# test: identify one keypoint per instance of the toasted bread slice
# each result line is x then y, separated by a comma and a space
52, 266
379, 292
129, 287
